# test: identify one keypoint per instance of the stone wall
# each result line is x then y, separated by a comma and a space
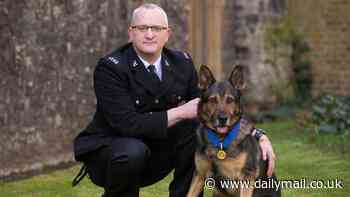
326, 25
243, 41
48, 53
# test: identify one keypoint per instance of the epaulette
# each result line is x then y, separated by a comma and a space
113, 60
187, 56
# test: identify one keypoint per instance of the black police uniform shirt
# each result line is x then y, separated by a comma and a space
130, 104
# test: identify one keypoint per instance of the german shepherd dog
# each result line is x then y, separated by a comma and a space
226, 149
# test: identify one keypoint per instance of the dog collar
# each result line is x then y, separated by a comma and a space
223, 144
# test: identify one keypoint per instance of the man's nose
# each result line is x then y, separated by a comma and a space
149, 33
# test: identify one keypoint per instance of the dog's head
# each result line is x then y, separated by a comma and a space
219, 108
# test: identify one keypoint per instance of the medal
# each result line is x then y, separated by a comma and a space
221, 154
220, 145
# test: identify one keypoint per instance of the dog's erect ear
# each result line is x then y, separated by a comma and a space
206, 78
237, 77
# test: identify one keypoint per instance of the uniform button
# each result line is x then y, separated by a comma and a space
156, 101
137, 102
179, 97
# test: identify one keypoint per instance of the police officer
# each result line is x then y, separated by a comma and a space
144, 123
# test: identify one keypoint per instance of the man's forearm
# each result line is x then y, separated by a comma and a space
182, 112
174, 116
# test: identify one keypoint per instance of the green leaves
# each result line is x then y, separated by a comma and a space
331, 114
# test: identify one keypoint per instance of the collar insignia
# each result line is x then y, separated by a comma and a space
166, 63
135, 64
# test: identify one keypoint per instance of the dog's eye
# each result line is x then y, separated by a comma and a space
212, 99
229, 99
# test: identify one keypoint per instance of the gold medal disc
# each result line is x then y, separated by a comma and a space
221, 154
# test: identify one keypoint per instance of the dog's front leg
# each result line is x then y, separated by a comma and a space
197, 185
246, 192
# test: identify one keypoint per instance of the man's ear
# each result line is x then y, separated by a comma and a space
170, 32
237, 77
130, 39
206, 78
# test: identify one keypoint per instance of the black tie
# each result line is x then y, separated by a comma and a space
152, 72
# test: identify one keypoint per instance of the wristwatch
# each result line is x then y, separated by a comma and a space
259, 133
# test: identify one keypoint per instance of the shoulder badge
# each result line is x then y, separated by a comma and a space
187, 56
113, 59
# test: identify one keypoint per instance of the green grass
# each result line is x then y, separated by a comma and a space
297, 159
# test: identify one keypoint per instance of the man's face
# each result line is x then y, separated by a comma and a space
149, 32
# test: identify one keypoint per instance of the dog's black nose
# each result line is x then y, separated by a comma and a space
222, 119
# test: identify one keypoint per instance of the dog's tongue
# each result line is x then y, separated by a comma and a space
221, 130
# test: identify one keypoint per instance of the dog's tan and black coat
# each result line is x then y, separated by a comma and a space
219, 111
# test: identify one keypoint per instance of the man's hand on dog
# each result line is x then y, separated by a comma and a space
190, 109
267, 153
186, 111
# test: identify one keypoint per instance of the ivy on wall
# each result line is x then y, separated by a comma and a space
284, 41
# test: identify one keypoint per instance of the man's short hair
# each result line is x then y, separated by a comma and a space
148, 6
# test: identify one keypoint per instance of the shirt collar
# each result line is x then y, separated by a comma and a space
157, 64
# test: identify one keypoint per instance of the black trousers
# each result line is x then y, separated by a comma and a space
128, 164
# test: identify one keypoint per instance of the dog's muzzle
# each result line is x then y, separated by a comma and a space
222, 120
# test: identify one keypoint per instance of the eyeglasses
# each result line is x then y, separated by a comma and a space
144, 28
